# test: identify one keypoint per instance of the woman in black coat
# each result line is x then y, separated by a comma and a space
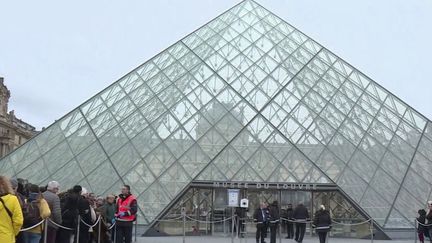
322, 223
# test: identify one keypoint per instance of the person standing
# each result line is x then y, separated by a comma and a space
429, 219
35, 209
322, 223
261, 217
420, 225
274, 220
300, 215
125, 215
11, 217
289, 225
53, 200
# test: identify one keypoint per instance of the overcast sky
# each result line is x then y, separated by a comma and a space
54, 54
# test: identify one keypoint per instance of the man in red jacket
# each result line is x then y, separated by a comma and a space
125, 215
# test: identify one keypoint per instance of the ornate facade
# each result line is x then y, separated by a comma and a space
13, 131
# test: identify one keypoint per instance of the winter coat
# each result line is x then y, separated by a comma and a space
301, 213
322, 221
10, 225
54, 204
44, 212
274, 215
429, 218
261, 215
421, 219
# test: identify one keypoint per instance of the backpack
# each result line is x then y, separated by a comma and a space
31, 213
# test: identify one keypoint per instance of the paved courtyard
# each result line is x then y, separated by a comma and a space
204, 239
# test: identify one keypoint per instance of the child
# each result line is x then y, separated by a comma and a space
421, 228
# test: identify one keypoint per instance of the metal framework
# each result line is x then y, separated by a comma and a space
246, 97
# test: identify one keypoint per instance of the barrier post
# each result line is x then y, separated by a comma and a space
78, 228
415, 230
99, 229
136, 226
372, 230
115, 231
232, 225
280, 229
45, 230
183, 212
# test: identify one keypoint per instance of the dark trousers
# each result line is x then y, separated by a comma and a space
273, 230
421, 237
322, 236
260, 233
266, 226
123, 233
290, 230
63, 236
51, 235
300, 231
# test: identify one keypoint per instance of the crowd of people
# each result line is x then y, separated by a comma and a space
268, 216
71, 214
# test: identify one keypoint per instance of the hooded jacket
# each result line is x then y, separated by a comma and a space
10, 225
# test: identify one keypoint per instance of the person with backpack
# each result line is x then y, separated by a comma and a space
11, 218
35, 209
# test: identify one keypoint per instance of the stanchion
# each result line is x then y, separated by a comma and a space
184, 224
115, 231
136, 226
78, 228
280, 230
45, 231
232, 225
99, 230
372, 231
415, 230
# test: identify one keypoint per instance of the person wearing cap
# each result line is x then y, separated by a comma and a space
108, 212
53, 200
274, 220
322, 223
125, 215
37, 210
11, 217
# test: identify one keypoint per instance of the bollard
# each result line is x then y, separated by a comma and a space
184, 227
45, 230
78, 228
232, 225
136, 226
280, 230
115, 232
99, 229
415, 230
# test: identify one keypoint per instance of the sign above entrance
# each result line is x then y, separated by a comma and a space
265, 185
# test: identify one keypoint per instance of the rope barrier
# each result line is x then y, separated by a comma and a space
209, 222
112, 226
170, 220
363, 222
426, 225
32, 227
91, 226
297, 221
60, 226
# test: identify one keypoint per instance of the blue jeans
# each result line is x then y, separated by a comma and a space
31, 237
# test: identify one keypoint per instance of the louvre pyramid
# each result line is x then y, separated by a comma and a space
246, 97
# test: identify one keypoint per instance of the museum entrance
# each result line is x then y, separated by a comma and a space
209, 213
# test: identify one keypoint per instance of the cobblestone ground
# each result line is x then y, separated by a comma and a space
206, 239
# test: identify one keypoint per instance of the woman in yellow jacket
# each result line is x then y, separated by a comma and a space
36, 202
11, 218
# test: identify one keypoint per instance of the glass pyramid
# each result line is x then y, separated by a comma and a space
246, 97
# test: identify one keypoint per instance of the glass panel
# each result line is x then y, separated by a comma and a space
363, 166
352, 184
91, 157
99, 180
385, 185
194, 160
125, 158
57, 157
159, 159
375, 206
68, 175
174, 179
417, 186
